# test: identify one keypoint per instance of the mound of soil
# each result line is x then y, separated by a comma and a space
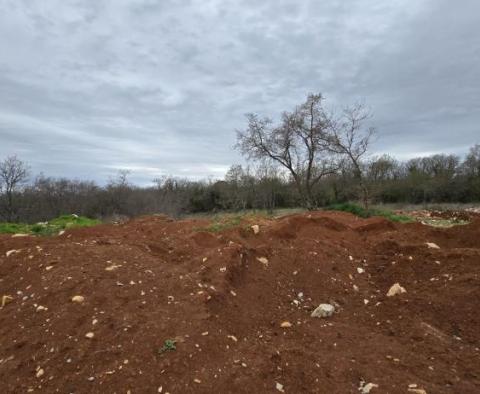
168, 308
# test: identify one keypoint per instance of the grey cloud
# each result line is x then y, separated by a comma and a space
160, 86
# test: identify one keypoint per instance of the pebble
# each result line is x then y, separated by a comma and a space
286, 324
323, 310
360, 270
40, 373
263, 260
198, 381
10, 252
89, 335
255, 228
368, 387
395, 290
78, 298
432, 245
279, 387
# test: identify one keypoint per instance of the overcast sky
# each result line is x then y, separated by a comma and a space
159, 86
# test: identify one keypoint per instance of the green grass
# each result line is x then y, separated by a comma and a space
363, 213
52, 227
223, 222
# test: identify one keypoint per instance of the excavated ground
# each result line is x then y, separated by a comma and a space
155, 279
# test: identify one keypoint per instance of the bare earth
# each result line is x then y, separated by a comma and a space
222, 297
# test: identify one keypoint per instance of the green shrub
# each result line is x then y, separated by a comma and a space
363, 213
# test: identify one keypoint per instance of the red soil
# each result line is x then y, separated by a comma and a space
224, 308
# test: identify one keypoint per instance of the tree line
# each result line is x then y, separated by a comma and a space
311, 158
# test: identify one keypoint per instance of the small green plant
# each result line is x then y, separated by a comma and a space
168, 346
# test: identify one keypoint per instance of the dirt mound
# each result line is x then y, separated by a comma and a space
169, 308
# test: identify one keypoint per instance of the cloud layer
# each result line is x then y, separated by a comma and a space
158, 87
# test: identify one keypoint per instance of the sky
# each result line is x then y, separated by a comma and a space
158, 87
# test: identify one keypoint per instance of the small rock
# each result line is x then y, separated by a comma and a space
40, 373
360, 270
263, 260
395, 290
417, 391
368, 387
6, 299
432, 245
41, 308
198, 381
255, 228
19, 235
279, 387
89, 335
78, 298
323, 310
10, 252
286, 324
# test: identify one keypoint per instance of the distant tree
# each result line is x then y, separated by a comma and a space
351, 139
471, 165
299, 143
13, 174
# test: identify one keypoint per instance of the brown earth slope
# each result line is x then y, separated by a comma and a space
223, 297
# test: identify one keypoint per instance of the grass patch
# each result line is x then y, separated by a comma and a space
223, 223
363, 213
51, 227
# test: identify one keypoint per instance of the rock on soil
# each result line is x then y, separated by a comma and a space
396, 289
323, 310
78, 299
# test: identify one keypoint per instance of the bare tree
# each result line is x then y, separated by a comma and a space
13, 173
350, 138
299, 144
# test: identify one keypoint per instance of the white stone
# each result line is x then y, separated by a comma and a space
395, 290
432, 245
263, 260
323, 310
255, 228
368, 387
78, 298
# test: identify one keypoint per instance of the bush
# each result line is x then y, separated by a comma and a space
363, 213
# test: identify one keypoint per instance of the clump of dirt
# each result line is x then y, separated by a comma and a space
167, 307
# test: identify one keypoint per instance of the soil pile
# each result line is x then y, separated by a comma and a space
160, 306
